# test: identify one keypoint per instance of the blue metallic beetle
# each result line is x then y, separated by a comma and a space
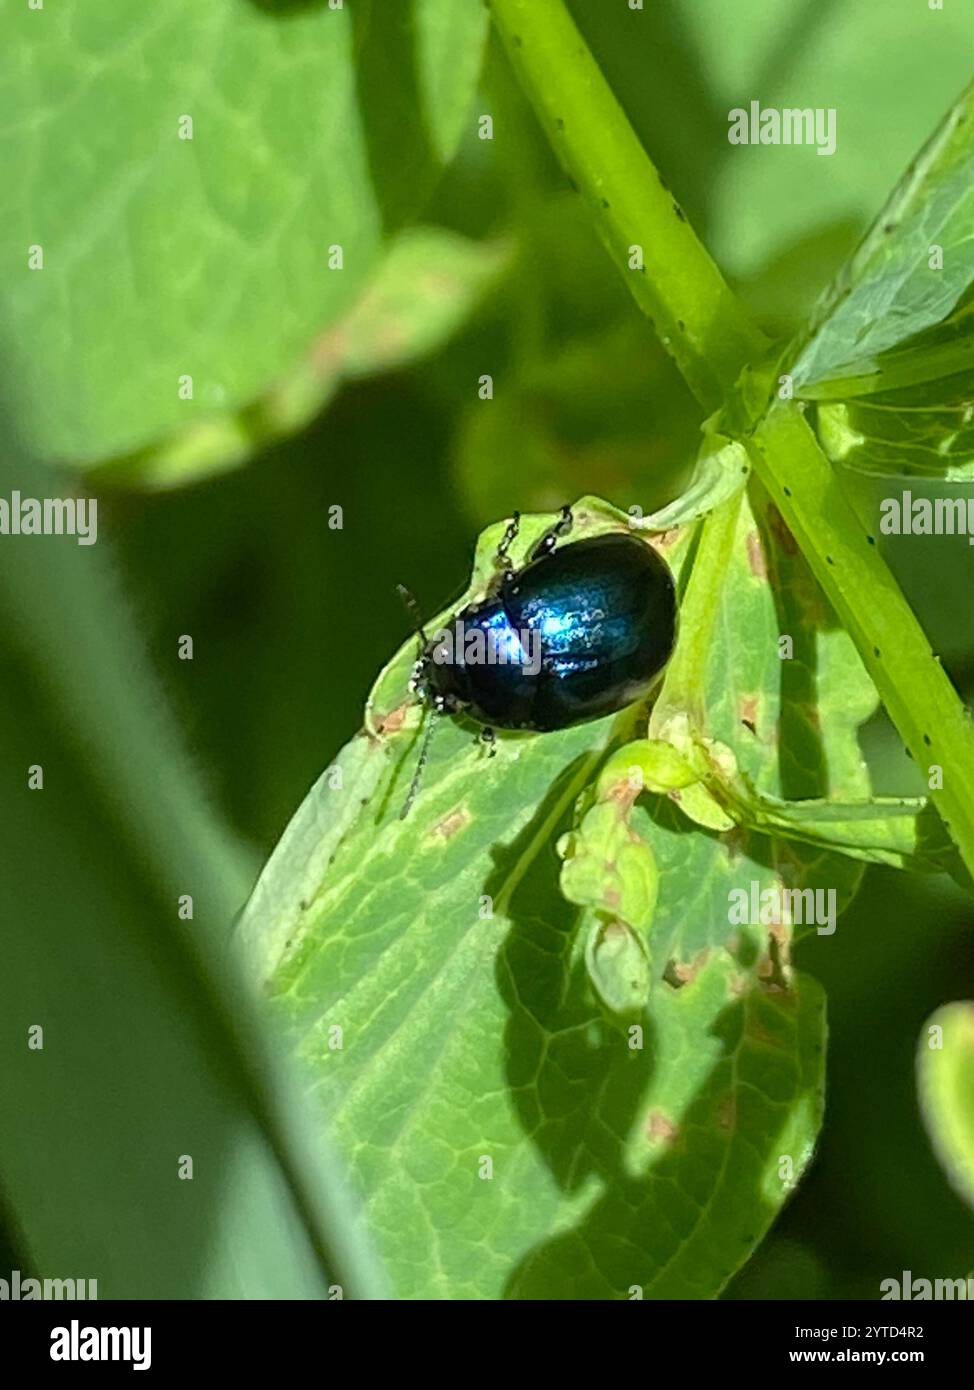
579, 632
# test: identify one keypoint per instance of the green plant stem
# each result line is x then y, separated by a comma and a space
917, 693
711, 338
679, 288
685, 680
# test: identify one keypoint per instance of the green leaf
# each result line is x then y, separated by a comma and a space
368, 781
788, 726
721, 470
921, 432
618, 966
449, 39
903, 832
945, 1081
151, 1055
890, 353
765, 201
889, 292
692, 1172
205, 257
611, 873
443, 951
466, 1037
424, 288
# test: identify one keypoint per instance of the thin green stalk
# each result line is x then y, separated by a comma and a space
711, 338
679, 287
917, 693
685, 680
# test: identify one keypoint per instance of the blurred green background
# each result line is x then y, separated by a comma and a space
291, 618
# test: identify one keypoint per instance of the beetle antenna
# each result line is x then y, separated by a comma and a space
424, 749
412, 608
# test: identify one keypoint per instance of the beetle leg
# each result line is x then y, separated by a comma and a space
501, 558
430, 715
419, 680
554, 533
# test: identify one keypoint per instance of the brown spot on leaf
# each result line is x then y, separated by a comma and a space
624, 793
327, 353
757, 1032
683, 971
734, 841
773, 966
781, 934
453, 823
755, 556
660, 1129
747, 711
392, 722
665, 540
810, 713
781, 532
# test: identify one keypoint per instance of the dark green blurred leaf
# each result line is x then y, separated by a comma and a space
887, 70
423, 289
151, 1053
166, 257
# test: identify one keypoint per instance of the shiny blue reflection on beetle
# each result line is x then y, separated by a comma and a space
582, 631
